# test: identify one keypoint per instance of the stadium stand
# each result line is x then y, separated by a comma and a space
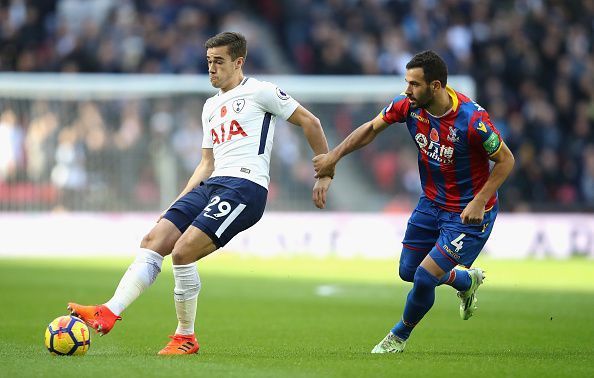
533, 63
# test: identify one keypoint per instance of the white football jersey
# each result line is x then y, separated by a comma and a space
239, 127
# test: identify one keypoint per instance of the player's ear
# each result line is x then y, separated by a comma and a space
239, 62
436, 85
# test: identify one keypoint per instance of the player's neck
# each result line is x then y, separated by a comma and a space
441, 104
234, 82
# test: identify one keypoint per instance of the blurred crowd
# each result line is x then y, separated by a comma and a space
532, 60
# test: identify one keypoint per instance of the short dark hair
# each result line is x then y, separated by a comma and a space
434, 68
236, 42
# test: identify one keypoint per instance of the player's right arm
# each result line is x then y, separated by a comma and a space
201, 173
324, 164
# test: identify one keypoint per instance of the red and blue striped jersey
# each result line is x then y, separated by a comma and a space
454, 149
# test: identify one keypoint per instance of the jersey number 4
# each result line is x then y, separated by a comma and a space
458, 242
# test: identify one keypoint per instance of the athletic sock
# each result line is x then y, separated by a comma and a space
418, 302
140, 275
458, 279
185, 295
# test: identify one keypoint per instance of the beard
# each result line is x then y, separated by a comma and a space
423, 101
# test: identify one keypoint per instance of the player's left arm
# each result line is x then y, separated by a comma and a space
312, 129
504, 160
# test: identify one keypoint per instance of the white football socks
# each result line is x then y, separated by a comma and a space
139, 276
185, 295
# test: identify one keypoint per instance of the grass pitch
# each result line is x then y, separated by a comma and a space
306, 318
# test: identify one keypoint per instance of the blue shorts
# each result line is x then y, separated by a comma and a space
441, 234
222, 207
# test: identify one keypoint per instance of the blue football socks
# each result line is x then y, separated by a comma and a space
418, 302
458, 279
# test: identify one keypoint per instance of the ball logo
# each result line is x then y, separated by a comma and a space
434, 135
282, 95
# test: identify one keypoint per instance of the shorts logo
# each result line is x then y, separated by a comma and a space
282, 95
450, 252
223, 111
238, 105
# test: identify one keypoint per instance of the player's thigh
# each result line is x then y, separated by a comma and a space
183, 212
420, 237
460, 244
161, 238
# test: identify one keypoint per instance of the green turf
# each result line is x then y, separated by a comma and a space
266, 318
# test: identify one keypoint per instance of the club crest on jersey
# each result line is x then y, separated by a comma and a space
223, 111
238, 105
282, 95
434, 136
453, 136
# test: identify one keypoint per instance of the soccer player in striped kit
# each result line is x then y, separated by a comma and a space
225, 195
455, 214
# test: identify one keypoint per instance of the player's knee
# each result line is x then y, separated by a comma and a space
425, 279
147, 241
406, 273
179, 255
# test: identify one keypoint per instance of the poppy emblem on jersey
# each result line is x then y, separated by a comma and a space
238, 105
223, 111
452, 136
282, 95
434, 136
421, 140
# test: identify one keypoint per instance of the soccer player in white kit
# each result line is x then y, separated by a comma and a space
225, 195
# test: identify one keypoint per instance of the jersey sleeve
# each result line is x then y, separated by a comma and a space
274, 100
487, 135
396, 110
207, 137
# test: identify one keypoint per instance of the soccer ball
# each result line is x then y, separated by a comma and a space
66, 336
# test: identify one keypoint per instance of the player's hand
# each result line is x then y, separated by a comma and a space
473, 213
320, 190
323, 165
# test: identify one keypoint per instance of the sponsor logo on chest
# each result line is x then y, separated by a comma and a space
433, 148
227, 127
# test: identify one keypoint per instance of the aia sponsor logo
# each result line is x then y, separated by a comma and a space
224, 134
